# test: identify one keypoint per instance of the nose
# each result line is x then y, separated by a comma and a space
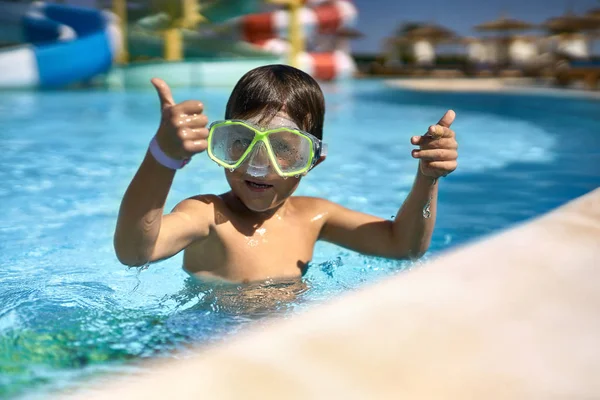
258, 163
259, 156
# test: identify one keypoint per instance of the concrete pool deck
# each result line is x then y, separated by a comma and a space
512, 316
489, 85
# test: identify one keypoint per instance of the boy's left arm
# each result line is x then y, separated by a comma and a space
409, 235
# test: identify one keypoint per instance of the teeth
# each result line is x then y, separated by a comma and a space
258, 185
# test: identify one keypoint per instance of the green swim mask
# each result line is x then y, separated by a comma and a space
289, 150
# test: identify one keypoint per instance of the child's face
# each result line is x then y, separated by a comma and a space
255, 182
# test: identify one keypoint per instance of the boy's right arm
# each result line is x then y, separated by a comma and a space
142, 233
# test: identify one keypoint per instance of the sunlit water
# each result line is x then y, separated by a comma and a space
68, 309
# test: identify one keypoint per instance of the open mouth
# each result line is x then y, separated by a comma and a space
257, 186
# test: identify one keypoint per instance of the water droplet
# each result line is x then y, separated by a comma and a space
285, 177
296, 176
427, 210
231, 169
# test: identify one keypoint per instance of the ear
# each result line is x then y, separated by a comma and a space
319, 161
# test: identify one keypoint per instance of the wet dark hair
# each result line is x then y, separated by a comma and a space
268, 89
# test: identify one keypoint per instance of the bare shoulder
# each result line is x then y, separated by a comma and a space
312, 206
329, 212
202, 207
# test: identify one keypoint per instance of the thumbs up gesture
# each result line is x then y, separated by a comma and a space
182, 131
437, 148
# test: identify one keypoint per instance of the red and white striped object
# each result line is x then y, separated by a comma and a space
269, 31
323, 17
328, 66
321, 65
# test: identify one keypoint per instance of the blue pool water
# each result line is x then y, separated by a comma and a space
69, 310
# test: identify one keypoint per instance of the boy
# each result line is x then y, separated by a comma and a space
271, 136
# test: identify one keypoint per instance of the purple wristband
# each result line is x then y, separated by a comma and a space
164, 159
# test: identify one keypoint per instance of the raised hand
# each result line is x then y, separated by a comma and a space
438, 149
182, 131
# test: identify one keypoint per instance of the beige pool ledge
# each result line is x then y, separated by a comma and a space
491, 85
512, 316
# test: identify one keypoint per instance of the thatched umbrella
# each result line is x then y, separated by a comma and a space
431, 32
504, 24
422, 39
506, 28
419, 30
567, 33
570, 23
594, 13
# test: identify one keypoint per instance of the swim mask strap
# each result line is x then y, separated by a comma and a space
163, 159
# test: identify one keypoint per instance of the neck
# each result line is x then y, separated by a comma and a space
260, 216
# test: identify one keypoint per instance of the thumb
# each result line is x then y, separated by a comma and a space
164, 92
447, 119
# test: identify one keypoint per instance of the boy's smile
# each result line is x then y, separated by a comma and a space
257, 186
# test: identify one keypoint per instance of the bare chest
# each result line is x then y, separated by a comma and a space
249, 253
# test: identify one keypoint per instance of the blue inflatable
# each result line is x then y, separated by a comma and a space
64, 44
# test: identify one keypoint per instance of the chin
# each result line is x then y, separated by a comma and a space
261, 194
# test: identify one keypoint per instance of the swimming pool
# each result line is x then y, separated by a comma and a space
68, 309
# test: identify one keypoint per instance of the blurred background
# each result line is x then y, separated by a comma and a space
120, 43
554, 41
77, 113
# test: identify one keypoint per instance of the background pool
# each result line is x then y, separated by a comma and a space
69, 309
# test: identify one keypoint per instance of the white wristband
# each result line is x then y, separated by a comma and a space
164, 159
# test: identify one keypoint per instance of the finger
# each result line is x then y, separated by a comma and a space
198, 121
190, 121
447, 119
194, 146
431, 143
443, 166
428, 141
420, 140
435, 155
423, 140
193, 134
190, 107
438, 131
164, 92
